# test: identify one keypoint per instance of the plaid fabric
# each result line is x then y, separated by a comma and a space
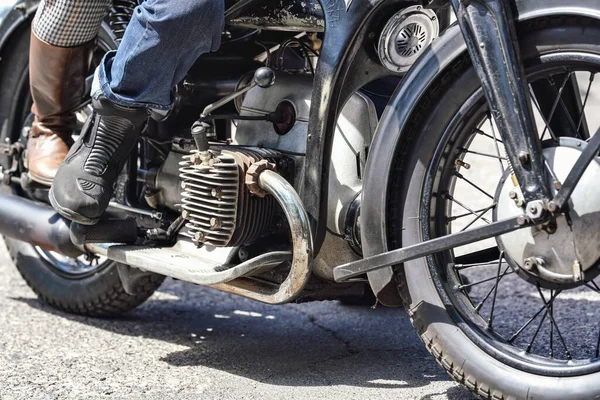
69, 23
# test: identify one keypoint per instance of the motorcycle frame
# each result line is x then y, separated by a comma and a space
347, 62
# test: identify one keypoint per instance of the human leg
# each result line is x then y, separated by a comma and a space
162, 41
62, 38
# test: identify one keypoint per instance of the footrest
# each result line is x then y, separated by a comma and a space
186, 262
109, 231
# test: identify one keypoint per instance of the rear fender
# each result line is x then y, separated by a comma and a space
13, 15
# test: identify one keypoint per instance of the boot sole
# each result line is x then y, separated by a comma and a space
70, 214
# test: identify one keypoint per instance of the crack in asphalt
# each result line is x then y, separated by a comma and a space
348, 346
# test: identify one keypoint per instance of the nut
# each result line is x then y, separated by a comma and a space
524, 157
252, 177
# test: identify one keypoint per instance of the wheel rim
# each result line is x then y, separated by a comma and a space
472, 297
73, 268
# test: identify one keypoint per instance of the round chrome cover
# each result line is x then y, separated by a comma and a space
405, 36
563, 257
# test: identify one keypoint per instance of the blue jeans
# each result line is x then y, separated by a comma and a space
161, 43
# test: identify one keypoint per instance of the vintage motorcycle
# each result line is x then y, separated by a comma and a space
277, 177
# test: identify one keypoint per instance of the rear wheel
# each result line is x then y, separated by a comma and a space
503, 329
86, 285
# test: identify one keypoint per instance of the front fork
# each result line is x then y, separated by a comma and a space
489, 30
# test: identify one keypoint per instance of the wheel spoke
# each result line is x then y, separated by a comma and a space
587, 94
451, 198
479, 153
530, 345
489, 293
478, 217
598, 343
480, 132
555, 104
496, 140
521, 329
459, 267
553, 322
489, 323
564, 107
454, 218
546, 122
468, 285
461, 176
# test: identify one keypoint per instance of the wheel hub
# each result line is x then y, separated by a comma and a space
565, 252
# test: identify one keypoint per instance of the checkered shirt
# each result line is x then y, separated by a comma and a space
69, 23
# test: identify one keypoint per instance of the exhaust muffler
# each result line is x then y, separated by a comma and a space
35, 223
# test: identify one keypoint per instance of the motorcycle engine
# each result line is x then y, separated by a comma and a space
214, 196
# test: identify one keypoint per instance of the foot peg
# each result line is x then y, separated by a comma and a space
109, 231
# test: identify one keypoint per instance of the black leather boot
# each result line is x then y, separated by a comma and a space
83, 185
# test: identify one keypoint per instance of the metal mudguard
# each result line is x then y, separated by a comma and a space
12, 15
444, 50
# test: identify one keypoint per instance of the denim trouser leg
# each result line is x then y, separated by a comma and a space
161, 43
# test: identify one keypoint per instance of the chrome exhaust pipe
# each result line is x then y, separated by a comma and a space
35, 223
302, 244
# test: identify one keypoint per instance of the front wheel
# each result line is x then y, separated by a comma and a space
493, 322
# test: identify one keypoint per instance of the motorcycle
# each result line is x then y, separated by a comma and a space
279, 177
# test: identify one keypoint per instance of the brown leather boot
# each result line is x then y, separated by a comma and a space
57, 78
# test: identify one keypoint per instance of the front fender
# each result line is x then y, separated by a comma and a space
390, 131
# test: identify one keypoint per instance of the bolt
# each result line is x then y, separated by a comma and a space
481, 45
199, 237
533, 209
216, 192
524, 157
532, 263
185, 214
512, 195
522, 220
215, 223
557, 185
552, 207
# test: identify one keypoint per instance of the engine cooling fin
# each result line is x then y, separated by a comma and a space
219, 208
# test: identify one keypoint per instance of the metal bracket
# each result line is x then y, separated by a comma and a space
585, 158
348, 271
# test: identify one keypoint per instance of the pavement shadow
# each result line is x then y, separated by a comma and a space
313, 344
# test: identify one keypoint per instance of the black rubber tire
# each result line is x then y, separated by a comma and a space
465, 361
99, 295
14, 97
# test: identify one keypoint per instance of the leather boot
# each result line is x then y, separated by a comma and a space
57, 79
85, 181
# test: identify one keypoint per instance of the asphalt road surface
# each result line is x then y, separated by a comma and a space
190, 342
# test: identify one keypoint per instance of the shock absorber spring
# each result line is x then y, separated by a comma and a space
119, 16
